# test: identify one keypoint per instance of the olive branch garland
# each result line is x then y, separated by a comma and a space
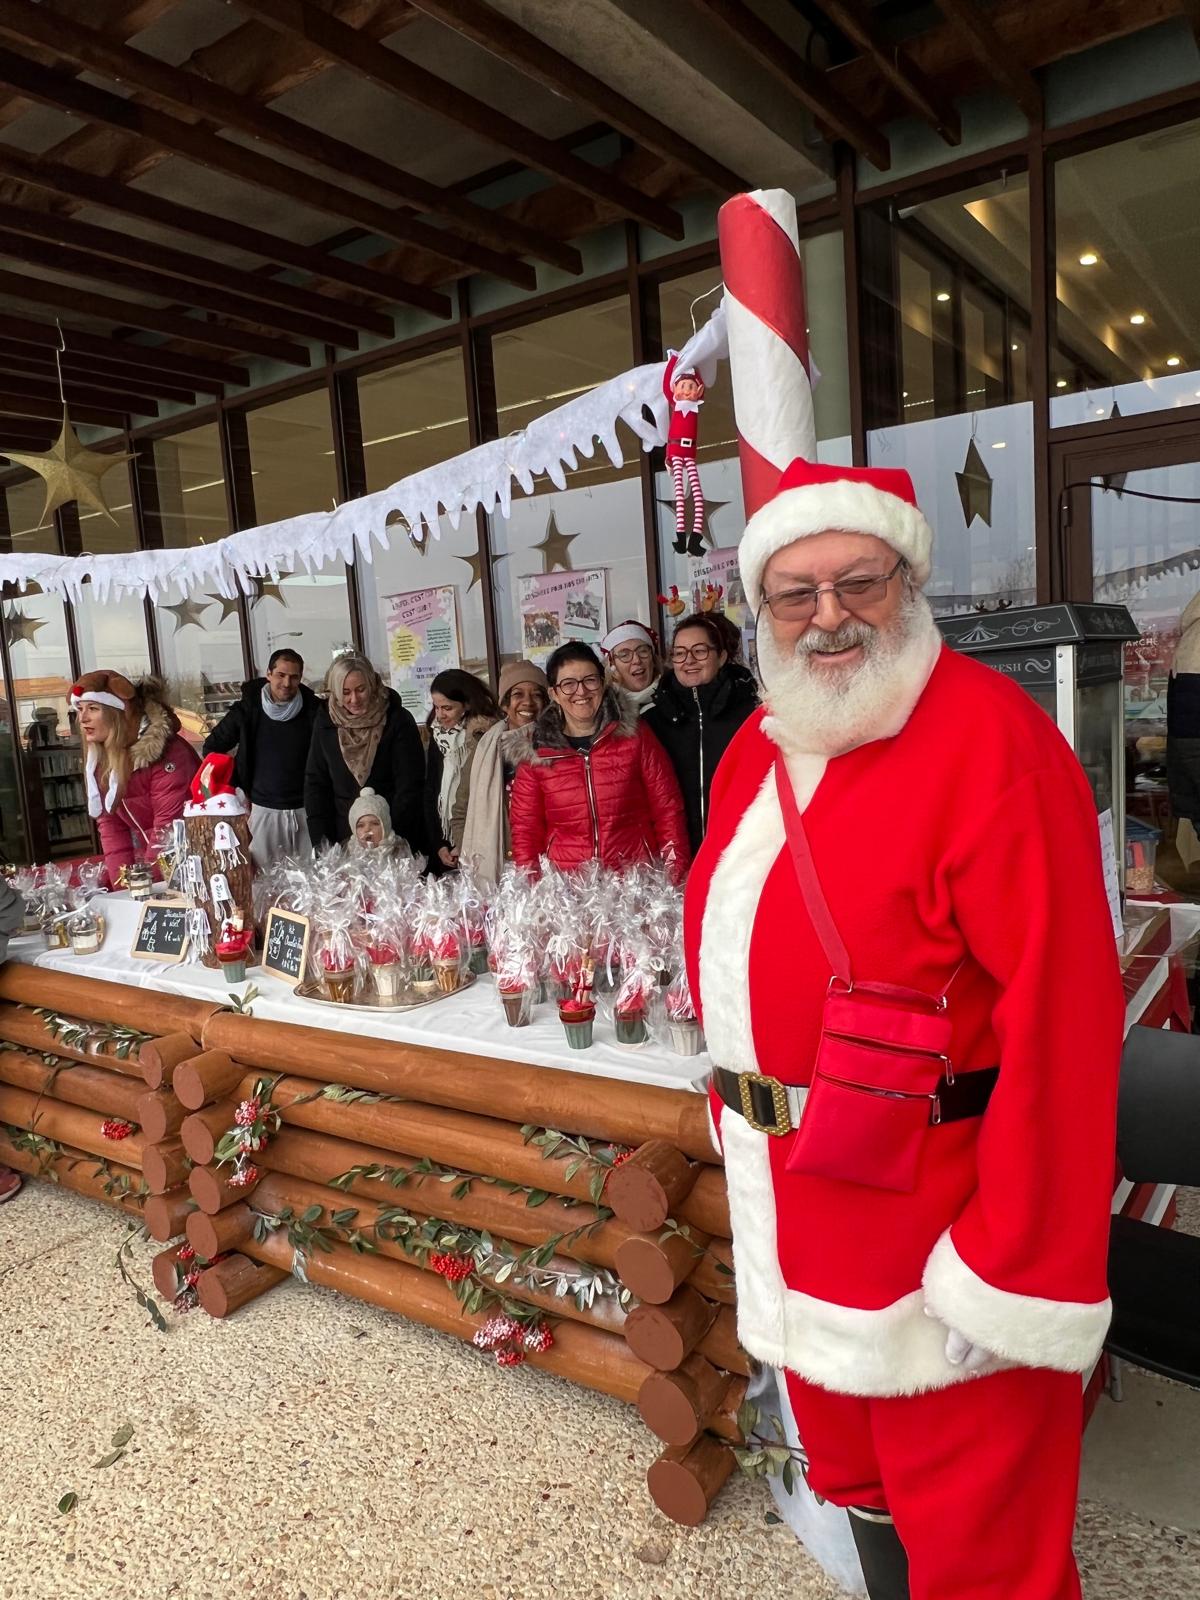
91, 1037
767, 1456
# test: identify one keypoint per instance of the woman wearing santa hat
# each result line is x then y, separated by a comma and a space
634, 665
139, 765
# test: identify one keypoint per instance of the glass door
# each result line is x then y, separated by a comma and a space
1129, 534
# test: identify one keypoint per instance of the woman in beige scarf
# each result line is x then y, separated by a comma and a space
363, 737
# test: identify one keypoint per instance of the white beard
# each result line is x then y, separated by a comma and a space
815, 710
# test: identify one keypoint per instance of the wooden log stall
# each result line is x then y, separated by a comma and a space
625, 1181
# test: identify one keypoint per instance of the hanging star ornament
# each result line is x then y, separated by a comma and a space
20, 629
71, 472
187, 613
475, 562
228, 607
556, 547
265, 589
711, 507
975, 487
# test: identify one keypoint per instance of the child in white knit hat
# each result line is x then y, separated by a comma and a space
371, 821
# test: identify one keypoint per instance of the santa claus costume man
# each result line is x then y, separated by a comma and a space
898, 932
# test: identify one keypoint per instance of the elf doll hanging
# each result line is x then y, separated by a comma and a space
685, 391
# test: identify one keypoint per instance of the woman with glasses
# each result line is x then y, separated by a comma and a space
596, 783
631, 650
701, 702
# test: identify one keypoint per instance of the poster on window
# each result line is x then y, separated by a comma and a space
717, 586
557, 606
422, 636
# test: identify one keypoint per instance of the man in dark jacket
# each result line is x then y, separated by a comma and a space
271, 729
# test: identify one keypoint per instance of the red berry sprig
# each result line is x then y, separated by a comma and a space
453, 1268
115, 1128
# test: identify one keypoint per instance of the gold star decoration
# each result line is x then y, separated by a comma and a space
475, 562
975, 487
556, 547
711, 507
187, 613
71, 472
20, 629
265, 589
228, 607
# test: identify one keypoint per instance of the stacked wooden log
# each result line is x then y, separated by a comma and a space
389, 1160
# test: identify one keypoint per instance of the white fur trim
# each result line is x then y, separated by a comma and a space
626, 633
1066, 1335
221, 805
894, 1350
821, 507
98, 697
95, 804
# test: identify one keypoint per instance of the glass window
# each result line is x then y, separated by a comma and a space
596, 524
35, 628
293, 471
414, 416
1127, 311
945, 309
199, 636
25, 527
101, 535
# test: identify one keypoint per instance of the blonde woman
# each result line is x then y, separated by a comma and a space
139, 766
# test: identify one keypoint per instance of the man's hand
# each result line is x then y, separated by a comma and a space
448, 858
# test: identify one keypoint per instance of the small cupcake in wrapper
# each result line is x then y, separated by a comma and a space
577, 1017
447, 961
337, 977
684, 1033
231, 951
629, 1007
516, 996
424, 978
336, 959
478, 951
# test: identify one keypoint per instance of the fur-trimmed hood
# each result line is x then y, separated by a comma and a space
159, 724
550, 729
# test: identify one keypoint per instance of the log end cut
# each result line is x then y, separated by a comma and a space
685, 1480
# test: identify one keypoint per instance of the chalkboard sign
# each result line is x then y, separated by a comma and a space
162, 933
285, 948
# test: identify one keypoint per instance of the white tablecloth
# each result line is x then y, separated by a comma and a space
471, 1022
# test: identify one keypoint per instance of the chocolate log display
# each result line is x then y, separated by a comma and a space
573, 1221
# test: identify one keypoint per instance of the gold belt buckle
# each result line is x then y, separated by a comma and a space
779, 1103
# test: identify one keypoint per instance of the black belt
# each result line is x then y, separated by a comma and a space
771, 1106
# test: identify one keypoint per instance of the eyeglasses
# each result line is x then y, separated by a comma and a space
637, 652
572, 687
697, 653
852, 594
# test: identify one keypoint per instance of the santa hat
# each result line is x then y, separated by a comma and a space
212, 792
628, 633
370, 804
113, 690
812, 498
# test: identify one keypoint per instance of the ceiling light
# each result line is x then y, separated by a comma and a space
1137, 319
1172, 361
999, 444
943, 295
1061, 384
1016, 347
904, 396
1089, 258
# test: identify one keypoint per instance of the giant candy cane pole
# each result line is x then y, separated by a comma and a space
768, 339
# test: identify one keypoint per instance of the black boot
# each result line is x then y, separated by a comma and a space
695, 545
883, 1557
680, 546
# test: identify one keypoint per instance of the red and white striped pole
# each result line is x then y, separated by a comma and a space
768, 339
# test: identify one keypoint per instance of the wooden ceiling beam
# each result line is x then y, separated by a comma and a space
398, 75
1002, 63
193, 268
16, 381
207, 149
528, 54
853, 18
811, 87
16, 404
197, 97
200, 372
90, 189
35, 361
102, 269
129, 314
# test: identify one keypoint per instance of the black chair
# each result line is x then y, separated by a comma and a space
1153, 1272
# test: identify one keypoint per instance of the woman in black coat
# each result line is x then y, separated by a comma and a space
363, 738
699, 705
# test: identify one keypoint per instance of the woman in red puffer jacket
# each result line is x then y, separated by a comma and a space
139, 766
595, 782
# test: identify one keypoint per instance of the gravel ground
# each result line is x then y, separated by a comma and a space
312, 1448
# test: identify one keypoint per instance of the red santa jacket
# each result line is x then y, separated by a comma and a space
969, 837
683, 431
621, 803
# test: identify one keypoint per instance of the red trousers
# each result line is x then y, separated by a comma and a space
981, 1478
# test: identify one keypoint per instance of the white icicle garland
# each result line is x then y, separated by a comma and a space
551, 445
